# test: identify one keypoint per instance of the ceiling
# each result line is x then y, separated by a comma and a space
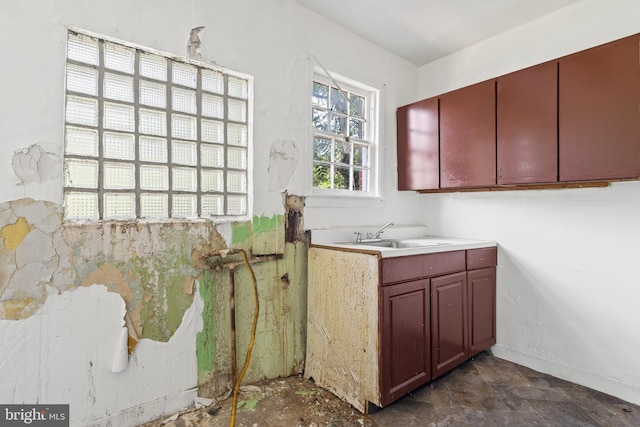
424, 30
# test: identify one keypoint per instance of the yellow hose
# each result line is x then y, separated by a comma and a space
236, 389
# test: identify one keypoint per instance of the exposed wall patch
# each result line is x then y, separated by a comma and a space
283, 159
13, 234
34, 164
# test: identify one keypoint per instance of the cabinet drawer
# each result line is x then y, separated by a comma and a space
417, 266
481, 258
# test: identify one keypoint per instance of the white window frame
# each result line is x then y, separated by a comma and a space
196, 164
372, 131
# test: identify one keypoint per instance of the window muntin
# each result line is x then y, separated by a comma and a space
150, 136
344, 137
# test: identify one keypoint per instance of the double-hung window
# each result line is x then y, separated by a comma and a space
344, 123
149, 135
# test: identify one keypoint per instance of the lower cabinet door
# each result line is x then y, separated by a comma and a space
482, 309
405, 345
449, 322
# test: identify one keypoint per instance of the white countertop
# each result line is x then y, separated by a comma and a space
343, 238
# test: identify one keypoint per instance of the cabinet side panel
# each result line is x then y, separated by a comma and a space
342, 325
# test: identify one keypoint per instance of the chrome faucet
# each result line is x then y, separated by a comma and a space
376, 234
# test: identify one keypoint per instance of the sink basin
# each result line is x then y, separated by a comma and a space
402, 243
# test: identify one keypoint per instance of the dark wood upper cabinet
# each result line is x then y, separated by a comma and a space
468, 136
527, 125
599, 114
418, 143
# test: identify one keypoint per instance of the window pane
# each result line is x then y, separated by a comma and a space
237, 110
184, 179
356, 108
153, 94
83, 49
81, 142
238, 88
212, 180
184, 74
118, 117
81, 173
338, 124
118, 87
320, 119
82, 111
154, 177
183, 127
237, 205
237, 135
320, 95
211, 156
360, 180
119, 146
82, 79
212, 131
360, 155
119, 176
153, 66
321, 176
212, 205
338, 101
153, 149
81, 205
212, 106
117, 57
342, 152
212, 81
185, 206
341, 178
183, 100
154, 205
356, 128
152, 122
184, 153
322, 149
237, 158
119, 205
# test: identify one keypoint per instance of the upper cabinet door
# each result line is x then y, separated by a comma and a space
599, 114
418, 144
528, 125
468, 136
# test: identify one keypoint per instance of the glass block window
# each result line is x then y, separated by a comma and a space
343, 118
152, 136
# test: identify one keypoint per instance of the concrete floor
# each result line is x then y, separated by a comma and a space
485, 391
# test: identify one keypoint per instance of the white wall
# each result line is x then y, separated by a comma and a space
270, 40
568, 282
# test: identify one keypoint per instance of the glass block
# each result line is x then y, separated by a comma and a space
360, 180
154, 205
118, 117
183, 127
185, 206
211, 156
360, 155
320, 119
237, 110
212, 81
322, 149
237, 158
183, 100
81, 205
212, 131
338, 101
212, 180
184, 179
236, 182
119, 146
153, 149
184, 153
238, 88
83, 49
341, 178
212, 205
320, 95
236, 134
119, 176
81, 173
82, 79
321, 176
154, 177
153, 66
236, 205
356, 128
82, 111
153, 94
119, 205
152, 122
184, 74
212, 106
118, 87
81, 141
118, 57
